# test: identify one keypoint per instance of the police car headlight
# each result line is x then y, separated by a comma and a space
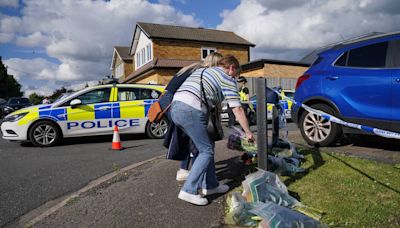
16, 117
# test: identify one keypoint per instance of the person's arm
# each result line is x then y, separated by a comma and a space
242, 119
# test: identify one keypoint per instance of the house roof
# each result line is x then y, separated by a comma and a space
159, 31
158, 63
123, 53
259, 63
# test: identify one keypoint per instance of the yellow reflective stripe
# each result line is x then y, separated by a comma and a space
83, 112
114, 94
131, 109
31, 116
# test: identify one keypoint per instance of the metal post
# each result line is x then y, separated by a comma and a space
262, 127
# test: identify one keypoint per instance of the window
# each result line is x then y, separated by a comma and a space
128, 94
149, 94
394, 53
143, 56
206, 51
148, 52
342, 60
95, 96
138, 58
132, 94
369, 56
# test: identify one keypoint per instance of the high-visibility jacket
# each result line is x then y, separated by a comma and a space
243, 95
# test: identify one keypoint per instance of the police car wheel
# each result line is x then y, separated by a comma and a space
44, 133
157, 130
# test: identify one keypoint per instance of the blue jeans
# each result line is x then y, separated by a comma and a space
194, 123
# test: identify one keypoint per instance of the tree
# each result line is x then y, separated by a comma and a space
9, 87
58, 92
35, 98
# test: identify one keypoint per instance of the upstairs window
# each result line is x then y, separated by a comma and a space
206, 51
143, 56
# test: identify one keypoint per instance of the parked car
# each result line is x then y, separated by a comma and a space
14, 104
285, 103
91, 111
357, 81
2, 104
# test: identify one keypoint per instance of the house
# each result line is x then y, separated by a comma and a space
121, 64
159, 51
278, 72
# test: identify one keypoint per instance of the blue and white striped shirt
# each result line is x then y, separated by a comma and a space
218, 86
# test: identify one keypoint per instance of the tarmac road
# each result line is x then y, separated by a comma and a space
31, 176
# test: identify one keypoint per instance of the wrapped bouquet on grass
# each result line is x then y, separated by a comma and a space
264, 186
275, 216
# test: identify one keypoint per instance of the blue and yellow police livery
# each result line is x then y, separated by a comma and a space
91, 111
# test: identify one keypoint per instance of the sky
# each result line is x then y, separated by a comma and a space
47, 44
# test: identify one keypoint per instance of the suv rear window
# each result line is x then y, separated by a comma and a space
371, 56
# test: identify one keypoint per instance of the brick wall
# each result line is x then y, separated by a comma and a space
192, 50
276, 71
158, 76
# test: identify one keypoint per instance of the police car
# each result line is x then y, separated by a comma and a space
91, 111
285, 104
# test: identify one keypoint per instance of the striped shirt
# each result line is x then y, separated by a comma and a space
218, 86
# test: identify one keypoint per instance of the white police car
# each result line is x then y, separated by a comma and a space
91, 111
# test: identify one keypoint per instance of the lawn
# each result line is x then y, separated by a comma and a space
353, 192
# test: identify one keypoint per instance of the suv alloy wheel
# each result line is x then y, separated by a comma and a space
316, 130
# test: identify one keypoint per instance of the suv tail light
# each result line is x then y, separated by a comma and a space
301, 79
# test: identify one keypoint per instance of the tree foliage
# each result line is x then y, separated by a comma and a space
36, 98
9, 87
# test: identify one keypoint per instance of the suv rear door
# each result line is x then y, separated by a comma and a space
361, 85
394, 63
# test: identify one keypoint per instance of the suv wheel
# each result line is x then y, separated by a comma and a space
44, 133
316, 130
157, 130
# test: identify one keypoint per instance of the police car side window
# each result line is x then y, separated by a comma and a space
128, 94
92, 97
95, 96
149, 94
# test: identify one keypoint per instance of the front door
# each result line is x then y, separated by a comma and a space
93, 116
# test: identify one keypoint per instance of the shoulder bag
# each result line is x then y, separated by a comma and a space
214, 127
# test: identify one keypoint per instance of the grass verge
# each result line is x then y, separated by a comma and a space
352, 192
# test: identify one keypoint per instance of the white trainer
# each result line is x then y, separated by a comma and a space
182, 174
222, 188
192, 198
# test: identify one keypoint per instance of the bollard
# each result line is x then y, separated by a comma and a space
262, 124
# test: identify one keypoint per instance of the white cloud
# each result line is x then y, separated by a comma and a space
9, 3
6, 37
80, 35
36, 39
290, 29
9, 25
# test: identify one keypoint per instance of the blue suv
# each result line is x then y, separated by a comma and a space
357, 81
